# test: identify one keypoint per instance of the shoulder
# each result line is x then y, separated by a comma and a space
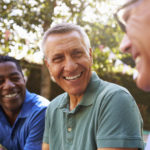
112, 88
56, 102
36, 101
42, 101
114, 94
115, 100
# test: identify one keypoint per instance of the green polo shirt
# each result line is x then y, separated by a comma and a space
107, 116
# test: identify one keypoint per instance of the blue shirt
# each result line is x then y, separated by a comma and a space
27, 131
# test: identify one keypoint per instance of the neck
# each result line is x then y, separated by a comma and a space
11, 116
74, 101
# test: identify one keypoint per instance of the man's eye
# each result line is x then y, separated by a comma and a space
77, 54
15, 79
126, 16
58, 59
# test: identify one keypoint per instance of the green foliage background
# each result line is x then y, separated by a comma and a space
36, 16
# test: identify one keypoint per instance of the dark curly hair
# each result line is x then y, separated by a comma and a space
6, 58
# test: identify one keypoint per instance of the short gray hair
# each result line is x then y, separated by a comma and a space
66, 28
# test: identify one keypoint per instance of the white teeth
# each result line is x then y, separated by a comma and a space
73, 77
137, 59
10, 95
135, 74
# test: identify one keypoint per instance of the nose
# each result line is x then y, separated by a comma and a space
8, 84
126, 44
70, 65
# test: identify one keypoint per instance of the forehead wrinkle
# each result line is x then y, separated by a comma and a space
69, 44
10, 74
64, 43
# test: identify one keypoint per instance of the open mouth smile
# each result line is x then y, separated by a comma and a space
73, 77
10, 95
137, 59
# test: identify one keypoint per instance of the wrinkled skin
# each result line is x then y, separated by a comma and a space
137, 41
69, 62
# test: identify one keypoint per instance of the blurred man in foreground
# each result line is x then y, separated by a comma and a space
22, 113
134, 19
92, 114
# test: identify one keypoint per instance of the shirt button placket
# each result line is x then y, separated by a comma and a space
69, 129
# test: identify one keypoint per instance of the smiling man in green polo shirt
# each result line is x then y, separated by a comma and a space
92, 114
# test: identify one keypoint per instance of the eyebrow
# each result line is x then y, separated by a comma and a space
57, 55
11, 74
15, 73
126, 4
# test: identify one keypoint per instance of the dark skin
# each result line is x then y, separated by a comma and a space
12, 90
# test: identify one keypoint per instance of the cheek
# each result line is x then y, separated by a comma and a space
143, 80
146, 64
136, 35
139, 24
89, 62
54, 70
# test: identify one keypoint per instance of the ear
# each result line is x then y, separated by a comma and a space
47, 65
25, 79
90, 52
91, 55
46, 62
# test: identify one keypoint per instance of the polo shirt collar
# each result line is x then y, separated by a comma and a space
27, 105
89, 95
65, 101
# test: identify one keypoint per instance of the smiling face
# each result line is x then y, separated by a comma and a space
12, 87
69, 61
136, 41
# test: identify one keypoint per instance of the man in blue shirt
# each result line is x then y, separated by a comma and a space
21, 113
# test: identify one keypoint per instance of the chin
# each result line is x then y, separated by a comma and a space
144, 85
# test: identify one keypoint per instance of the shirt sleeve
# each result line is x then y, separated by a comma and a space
34, 140
119, 122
